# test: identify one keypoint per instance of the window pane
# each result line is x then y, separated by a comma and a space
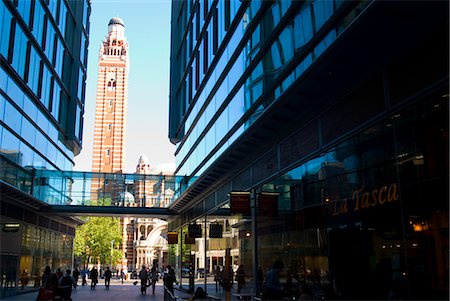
5, 28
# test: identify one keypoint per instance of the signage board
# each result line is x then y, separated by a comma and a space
215, 230
195, 231
172, 238
240, 202
268, 203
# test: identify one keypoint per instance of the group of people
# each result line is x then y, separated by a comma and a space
149, 277
59, 285
56, 285
226, 280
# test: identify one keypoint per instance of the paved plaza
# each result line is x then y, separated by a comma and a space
117, 291
128, 291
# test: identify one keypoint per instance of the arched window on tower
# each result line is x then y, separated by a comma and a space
108, 152
111, 85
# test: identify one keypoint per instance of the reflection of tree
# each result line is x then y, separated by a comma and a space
92, 241
99, 202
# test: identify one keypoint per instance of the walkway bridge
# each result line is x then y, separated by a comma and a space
77, 193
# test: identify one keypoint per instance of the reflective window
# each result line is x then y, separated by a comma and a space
59, 57
28, 131
14, 92
38, 23
322, 12
19, 51
46, 86
12, 117
9, 141
62, 17
85, 13
78, 117
33, 71
56, 99
52, 6
24, 7
49, 41
83, 50
29, 108
303, 30
2, 106
81, 84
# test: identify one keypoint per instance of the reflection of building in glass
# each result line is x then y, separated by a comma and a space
342, 146
43, 54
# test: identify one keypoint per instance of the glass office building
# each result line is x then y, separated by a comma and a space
43, 53
333, 117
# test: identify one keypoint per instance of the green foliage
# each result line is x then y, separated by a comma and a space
92, 242
99, 202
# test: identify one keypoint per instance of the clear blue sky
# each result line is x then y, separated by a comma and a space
147, 28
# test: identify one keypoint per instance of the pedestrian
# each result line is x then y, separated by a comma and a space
46, 276
59, 273
24, 278
154, 277
107, 277
143, 275
84, 274
122, 274
240, 278
76, 274
169, 278
94, 277
217, 277
272, 289
65, 284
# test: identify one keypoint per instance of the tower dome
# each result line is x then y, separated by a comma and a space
143, 160
117, 21
126, 198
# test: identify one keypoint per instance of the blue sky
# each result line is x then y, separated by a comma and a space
147, 28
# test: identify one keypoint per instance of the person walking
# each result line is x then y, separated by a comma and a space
240, 278
75, 275
143, 275
272, 287
46, 276
94, 277
108, 276
154, 277
122, 274
65, 284
217, 276
169, 278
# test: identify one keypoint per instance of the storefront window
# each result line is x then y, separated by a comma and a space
370, 213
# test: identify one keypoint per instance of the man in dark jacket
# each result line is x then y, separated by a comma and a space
108, 276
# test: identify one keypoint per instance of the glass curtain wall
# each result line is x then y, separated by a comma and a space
42, 247
371, 211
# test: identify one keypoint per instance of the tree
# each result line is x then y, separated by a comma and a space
92, 243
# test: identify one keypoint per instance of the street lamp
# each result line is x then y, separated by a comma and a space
112, 243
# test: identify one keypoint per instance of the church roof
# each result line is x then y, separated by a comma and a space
126, 197
143, 160
116, 20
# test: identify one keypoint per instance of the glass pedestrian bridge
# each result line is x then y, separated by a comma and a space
94, 193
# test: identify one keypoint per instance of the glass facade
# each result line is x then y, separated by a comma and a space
40, 48
43, 50
342, 146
